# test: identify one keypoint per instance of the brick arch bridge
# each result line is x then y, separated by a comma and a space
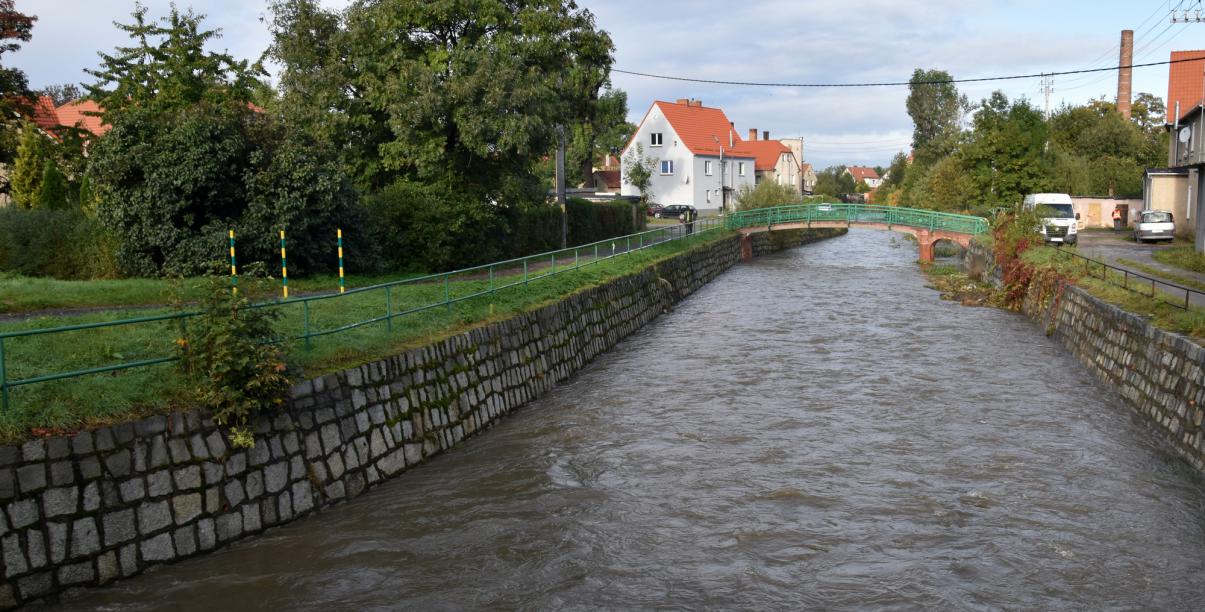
927, 225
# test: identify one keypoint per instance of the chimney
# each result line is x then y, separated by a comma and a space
752, 133
683, 101
696, 103
765, 135
1126, 73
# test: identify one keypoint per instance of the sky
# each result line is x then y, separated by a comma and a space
778, 41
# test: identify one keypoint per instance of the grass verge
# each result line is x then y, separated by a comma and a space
1167, 276
1183, 257
93, 400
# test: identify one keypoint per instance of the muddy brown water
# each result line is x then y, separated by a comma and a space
812, 430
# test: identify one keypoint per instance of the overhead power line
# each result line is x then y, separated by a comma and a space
899, 83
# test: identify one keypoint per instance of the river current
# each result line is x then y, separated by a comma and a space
813, 430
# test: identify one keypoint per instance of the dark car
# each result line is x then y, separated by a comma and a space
674, 210
654, 210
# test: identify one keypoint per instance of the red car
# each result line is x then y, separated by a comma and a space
654, 210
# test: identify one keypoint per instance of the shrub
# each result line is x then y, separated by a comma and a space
228, 349
767, 194
64, 244
432, 228
52, 194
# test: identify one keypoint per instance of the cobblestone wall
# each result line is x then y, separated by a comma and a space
109, 503
1161, 374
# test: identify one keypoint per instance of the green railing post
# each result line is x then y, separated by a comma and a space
492, 280
596, 251
305, 316
553, 264
3, 379
388, 308
524, 271
629, 244
577, 261
641, 237
447, 292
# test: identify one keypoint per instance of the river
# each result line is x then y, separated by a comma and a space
815, 429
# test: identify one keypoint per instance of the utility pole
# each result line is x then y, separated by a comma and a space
560, 185
1047, 89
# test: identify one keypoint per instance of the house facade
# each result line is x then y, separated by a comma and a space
863, 174
774, 162
698, 159
1177, 188
809, 178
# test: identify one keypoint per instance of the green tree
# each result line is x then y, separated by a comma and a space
33, 152
766, 194
861, 187
945, 186
15, 28
936, 109
834, 181
62, 94
52, 194
638, 171
1005, 155
167, 67
1148, 112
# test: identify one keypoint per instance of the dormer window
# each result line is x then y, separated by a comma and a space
656, 136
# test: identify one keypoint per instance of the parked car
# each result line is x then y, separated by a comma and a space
654, 210
673, 210
1155, 225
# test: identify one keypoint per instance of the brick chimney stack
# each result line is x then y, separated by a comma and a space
765, 135
1125, 75
752, 133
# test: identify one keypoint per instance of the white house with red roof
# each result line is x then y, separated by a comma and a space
775, 161
863, 174
698, 157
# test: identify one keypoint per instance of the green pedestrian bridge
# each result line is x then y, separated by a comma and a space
928, 226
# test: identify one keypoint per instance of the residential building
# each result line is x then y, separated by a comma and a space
775, 162
1184, 178
698, 159
83, 114
809, 178
863, 174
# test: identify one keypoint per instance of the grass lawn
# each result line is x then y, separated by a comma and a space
1157, 273
24, 294
1183, 257
98, 399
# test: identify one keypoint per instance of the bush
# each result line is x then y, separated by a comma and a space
430, 228
65, 244
767, 194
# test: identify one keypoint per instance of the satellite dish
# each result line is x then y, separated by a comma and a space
1185, 134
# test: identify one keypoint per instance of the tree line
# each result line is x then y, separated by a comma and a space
438, 116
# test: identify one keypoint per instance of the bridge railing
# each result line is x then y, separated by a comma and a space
857, 213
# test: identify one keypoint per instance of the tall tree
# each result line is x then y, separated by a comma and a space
33, 151
1005, 156
168, 68
62, 94
15, 28
936, 109
52, 194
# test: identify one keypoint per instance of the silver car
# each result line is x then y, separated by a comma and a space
1154, 225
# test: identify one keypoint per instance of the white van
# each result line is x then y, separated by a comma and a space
1060, 225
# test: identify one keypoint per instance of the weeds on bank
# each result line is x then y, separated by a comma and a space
1183, 257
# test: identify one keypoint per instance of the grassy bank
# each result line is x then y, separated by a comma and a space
1183, 257
104, 398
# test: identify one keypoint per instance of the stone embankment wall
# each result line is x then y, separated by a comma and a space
1160, 374
109, 503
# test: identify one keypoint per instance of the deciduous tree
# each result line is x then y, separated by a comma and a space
936, 109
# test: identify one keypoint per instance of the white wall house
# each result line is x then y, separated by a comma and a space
776, 161
698, 158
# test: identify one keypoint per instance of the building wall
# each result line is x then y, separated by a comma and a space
1098, 212
688, 184
1169, 192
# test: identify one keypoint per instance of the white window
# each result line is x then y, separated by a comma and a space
656, 136
707, 168
667, 166
740, 168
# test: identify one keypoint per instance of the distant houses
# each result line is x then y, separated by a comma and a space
699, 159
863, 174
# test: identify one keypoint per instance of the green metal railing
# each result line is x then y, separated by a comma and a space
857, 213
420, 294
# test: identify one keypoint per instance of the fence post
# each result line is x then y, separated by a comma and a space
524, 271
233, 268
447, 292
388, 308
305, 316
491, 279
284, 267
3, 379
339, 234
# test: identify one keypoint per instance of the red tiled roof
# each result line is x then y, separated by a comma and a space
75, 114
703, 130
862, 173
610, 178
1184, 83
767, 152
804, 167
44, 114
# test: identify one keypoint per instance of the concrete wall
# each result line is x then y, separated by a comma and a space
1098, 212
110, 503
1159, 373
1169, 192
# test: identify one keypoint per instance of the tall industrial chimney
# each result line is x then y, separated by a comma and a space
1125, 75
